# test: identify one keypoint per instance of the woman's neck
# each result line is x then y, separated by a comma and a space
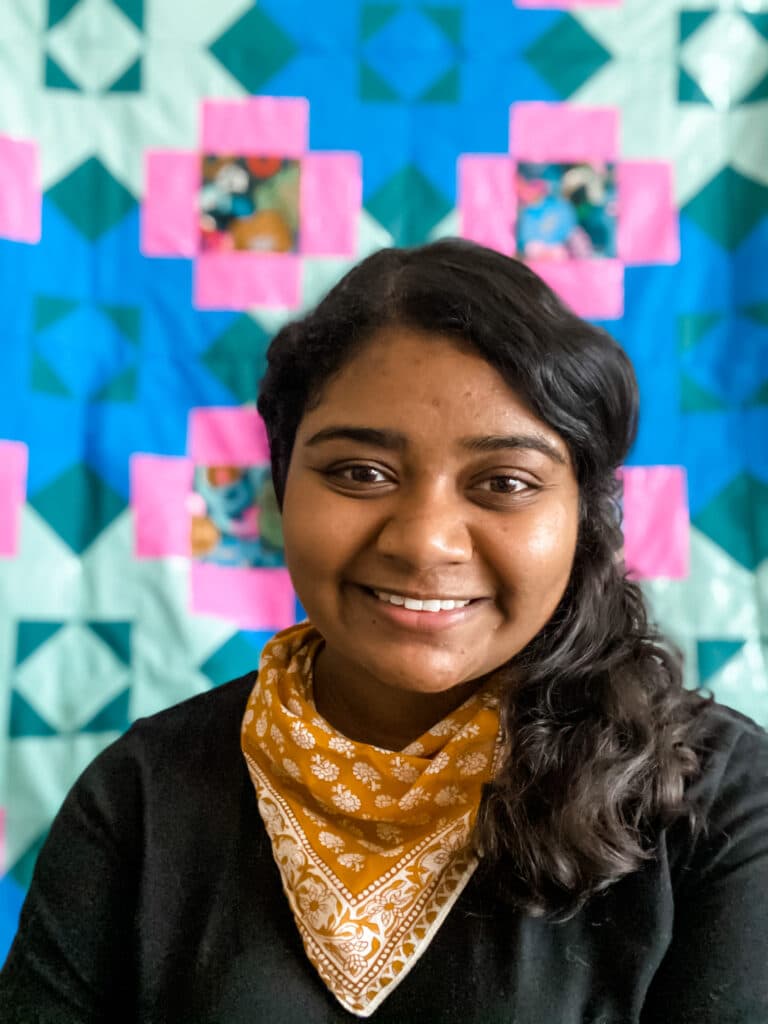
368, 711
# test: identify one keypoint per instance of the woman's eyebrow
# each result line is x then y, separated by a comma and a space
393, 440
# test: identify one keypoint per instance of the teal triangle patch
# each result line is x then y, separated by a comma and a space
760, 397
43, 377
116, 635
408, 205
133, 9
758, 93
692, 327
130, 80
730, 520
113, 717
759, 20
56, 77
694, 398
444, 90
447, 19
691, 21
108, 203
58, 10
21, 871
712, 655
127, 319
50, 308
78, 505
24, 721
566, 56
729, 207
238, 358
236, 657
757, 312
689, 90
374, 17
122, 388
31, 634
253, 49
373, 88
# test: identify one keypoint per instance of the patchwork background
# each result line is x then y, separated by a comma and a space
131, 353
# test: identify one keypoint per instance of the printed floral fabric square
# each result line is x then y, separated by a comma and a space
249, 203
566, 211
235, 519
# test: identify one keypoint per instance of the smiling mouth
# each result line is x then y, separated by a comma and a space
413, 604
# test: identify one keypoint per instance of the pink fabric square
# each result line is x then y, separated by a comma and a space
563, 133
240, 280
20, 192
648, 225
487, 202
331, 192
656, 521
160, 487
251, 598
227, 436
257, 126
592, 288
170, 218
13, 486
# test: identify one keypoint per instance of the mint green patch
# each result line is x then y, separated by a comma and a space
43, 377
24, 720
31, 634
130, 80
113, 717
373, 88
729, 207
116, 635
254, 49
92, 199
692, 327
56, 77
736, 520
566, 56
374, 17
408, 206
78, 505
712, 655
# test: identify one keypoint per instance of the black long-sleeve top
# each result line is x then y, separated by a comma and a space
156, 899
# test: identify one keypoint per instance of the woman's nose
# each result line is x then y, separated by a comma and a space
425, 533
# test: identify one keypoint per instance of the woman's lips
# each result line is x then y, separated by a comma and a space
421, 621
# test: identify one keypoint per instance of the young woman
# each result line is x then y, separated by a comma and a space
472, 786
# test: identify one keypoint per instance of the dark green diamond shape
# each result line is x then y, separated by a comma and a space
238, 358
408, 205
92, 199
737, 520
566, 56
78, 505
729, 207
254, 49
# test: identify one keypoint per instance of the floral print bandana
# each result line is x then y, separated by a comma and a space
371, 844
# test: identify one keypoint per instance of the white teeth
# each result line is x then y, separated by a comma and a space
420, 606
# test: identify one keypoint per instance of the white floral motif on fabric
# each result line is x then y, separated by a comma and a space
373, 847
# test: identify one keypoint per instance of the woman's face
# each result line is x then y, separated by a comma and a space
422, 477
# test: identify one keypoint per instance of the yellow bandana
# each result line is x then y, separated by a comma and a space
371, 844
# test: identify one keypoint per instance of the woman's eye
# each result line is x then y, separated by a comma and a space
360, 474
505, 485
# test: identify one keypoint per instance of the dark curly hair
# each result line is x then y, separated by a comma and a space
599, 731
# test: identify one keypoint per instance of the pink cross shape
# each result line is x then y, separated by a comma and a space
648, 227
13, 485
330, 198
20, 192
162, 500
